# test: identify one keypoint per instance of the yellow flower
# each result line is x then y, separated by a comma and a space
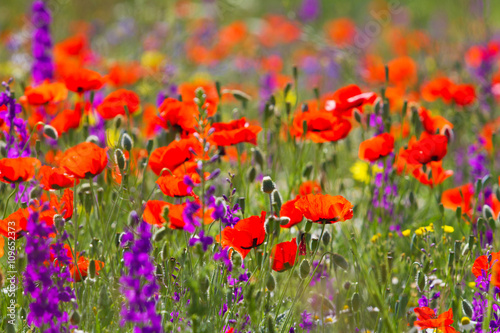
152, 59
420, 231
112, 136
359, 171
448, 229
328, 320
376, 237
465, 321
471, 284
406, 232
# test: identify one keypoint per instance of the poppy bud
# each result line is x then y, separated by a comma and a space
451, 258
304, 269
258, 157
241, 96
3, 148
314, 244
357, 116
251, 174
487, 212
241, 203
308, 226
58, 222
160, 234
421, 280
327, 237
92, 269
340, 261
276, 199
50, 132
467, 308
270, 324
268, 186
307, 170
271, 283
355, 302
284, 220
93, 138
75, 318
120, 159
117, 122
270, 224
22, 314
127, 142
87, 201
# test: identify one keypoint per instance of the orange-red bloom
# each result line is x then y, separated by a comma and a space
82, 80
433, 124
289, 210
246, 234
45, 93
174, 186
121, 74
177, 114
19, 225
309, 187
321, 126
80, 271
430, 148
427, 319
482, 264
234, 132
343, 101
85, 160
434, 175
19, 169
66, 120
379, 146
174, 155
55, 178
459, 197
283, 255
325, 208
114, 104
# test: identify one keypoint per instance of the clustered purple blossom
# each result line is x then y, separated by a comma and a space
307, 323
309, 10
40, 274
205, 241
385, 190
43, 66
223, 255
17, 126
139, 284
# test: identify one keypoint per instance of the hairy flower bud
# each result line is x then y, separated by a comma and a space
268, 186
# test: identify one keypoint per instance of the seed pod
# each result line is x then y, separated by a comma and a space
270, 225
268, 186
3, 148
340, 261
327, 237
241, 203
149, 146
347, 285
50, 132
308, 226
271, 283
276, 199
251, 174
22, 314
160, 234
284, 220
304, 269
127, 142
451, 258
355, 302
421, 280
314, 244
467, 308
307, 170
258, 157
357, 116
270, 324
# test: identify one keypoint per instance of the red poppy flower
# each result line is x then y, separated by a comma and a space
341, 31
482, 264
434, 175
430, 148
459, 197
433, 124
321, 126
19, 169
343, 101
283, 255
188, 93
379, 146
62, 206
246, 234
66, 120
114, 104
55, 178
440, 87
20, 219
85, 160
464, 94
121, 74
79, 272
234, 132
82, 80
153, 212
309, 187
173, 155
45, 93
155, 209
427, 320
174, 186
178, 114
289, 210
325, 208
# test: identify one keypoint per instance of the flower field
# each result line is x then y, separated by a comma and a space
249, 166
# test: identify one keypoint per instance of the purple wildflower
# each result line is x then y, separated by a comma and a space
43, 66
205, 241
